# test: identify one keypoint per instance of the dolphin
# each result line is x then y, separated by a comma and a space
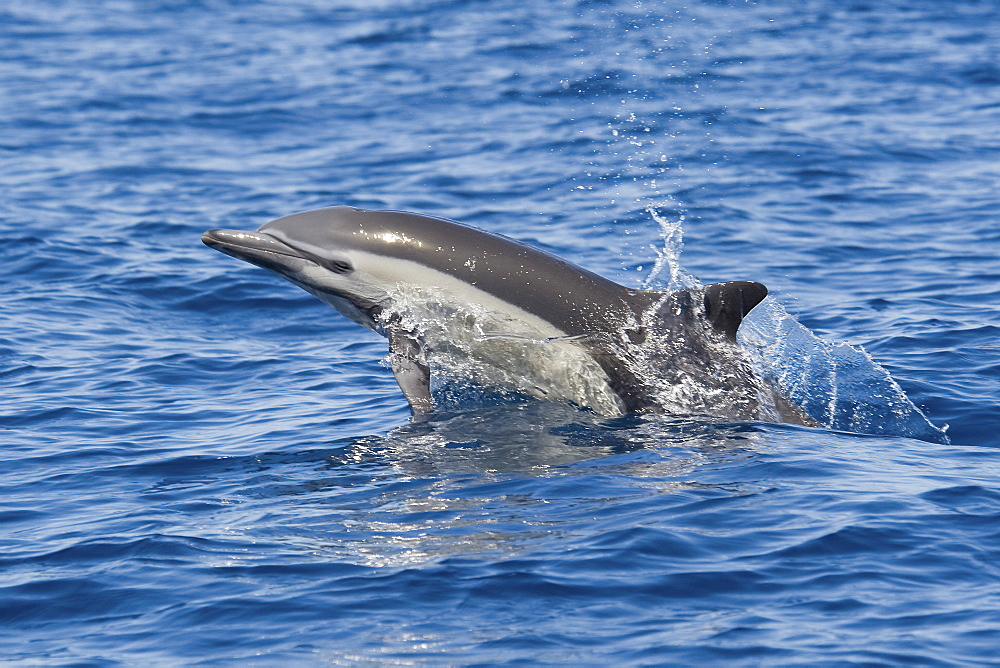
512, 315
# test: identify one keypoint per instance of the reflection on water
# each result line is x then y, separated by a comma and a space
503, 480
532, 437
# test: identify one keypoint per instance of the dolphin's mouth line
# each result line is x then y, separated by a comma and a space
250, 245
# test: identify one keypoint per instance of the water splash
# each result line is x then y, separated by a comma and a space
667, 273
480, 356
691, 369
839, 385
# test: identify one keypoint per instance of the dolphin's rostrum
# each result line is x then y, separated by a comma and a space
529, 321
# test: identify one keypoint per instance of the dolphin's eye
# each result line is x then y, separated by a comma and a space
340, 266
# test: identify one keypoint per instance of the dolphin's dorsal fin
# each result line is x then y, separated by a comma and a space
727, 303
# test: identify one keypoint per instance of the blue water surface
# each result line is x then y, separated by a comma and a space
204, 465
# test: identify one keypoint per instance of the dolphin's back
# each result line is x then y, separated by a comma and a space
574, 300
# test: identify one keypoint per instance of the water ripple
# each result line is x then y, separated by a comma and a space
202, 465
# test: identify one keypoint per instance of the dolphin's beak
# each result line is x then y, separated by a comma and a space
258, 248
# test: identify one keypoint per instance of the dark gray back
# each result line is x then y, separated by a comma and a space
573, 299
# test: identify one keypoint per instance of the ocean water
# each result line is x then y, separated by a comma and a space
203, 465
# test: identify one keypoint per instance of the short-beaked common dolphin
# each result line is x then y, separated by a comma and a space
567, 333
